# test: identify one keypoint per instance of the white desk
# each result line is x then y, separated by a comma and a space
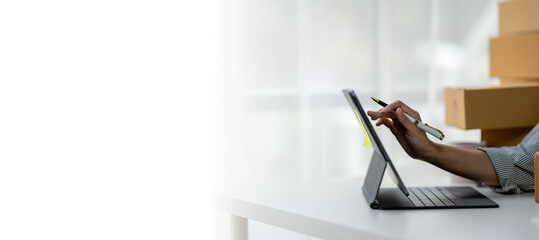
338, 210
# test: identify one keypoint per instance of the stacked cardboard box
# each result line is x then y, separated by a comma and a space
536, 165
518, 17
502, 107
507, 113
514, 55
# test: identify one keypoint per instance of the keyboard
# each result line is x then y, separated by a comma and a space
431, 196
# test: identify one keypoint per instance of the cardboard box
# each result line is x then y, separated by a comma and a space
492, 107
536, 176
518, 82
517, 17
504, 137
515, 56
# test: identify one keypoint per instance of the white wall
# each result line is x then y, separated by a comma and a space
105, 131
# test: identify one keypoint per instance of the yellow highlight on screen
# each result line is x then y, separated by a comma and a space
366, 139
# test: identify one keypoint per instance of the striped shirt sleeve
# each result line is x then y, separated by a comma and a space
514, 165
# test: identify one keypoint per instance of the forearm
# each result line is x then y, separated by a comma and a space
472, 164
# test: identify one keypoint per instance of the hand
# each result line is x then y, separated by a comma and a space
411, 138
472, 164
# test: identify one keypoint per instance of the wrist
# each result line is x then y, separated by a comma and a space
431, 151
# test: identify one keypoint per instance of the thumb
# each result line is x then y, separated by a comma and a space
404, 120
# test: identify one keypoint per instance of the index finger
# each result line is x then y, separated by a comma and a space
398, 104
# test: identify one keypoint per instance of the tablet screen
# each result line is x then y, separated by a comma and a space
375, 141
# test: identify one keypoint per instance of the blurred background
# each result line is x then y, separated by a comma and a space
286, 61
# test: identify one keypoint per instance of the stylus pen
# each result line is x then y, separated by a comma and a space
423, 126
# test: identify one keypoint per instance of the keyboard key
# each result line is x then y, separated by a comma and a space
422, 197
449, 195
441, 196
415, 200
432, 197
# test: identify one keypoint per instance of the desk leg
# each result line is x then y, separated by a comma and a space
239, 228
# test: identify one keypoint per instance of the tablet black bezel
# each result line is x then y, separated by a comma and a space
377, 144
